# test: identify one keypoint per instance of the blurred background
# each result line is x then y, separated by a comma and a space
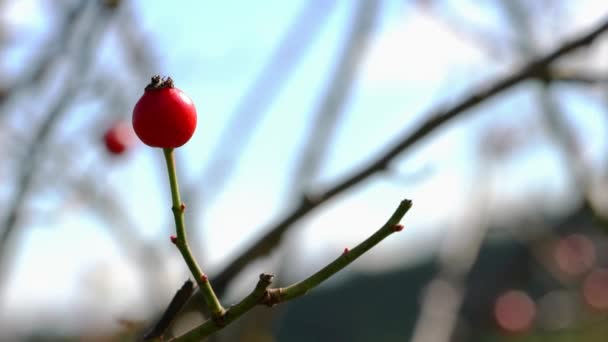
507, 237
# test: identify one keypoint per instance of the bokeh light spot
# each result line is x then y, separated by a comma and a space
514, 311
574, 254
595, 289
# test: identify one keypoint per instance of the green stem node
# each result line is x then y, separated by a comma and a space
181, 241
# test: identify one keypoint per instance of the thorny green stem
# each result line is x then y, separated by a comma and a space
181, 242
261, 295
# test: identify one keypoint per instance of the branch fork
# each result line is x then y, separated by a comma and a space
261, 294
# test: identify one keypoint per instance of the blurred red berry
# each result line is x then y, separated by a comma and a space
164, 116
595, 289
119, 138
514, 311
574, 254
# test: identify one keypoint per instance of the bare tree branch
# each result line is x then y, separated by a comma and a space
532, 70
250, 108
443, 300
327, 116
583, 77
56, 111
54, 50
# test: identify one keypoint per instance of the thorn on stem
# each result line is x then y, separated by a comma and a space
398, 227
182, 207
204, 278
346, 250
173, 239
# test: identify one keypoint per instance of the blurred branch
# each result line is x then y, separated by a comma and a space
177, 303
326, 119
444, 297
261, 295
436, 119
460, 247
522, 21
258, 96
27, 165
90, 183
53, 51
564, 138
139, 52
254, 103
339, 88
578, 76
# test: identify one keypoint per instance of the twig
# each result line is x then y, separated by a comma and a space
261, 295
179, 299
181, 241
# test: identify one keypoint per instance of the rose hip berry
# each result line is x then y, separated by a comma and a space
119, 138
164, 116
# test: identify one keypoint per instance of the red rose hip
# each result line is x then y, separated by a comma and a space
164, 116
119, 138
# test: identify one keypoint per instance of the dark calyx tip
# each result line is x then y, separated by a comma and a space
158, 82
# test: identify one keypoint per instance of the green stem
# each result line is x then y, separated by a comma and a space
181, 241
262, 295
299, 289
232, 314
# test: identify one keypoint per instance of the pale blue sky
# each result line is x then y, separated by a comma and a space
213, 50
